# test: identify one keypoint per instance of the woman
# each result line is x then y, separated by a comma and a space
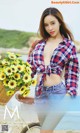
49, 57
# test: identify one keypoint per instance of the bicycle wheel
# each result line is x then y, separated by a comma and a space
31, 128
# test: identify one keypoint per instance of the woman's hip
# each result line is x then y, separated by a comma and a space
58, 90
55, 89
51, 95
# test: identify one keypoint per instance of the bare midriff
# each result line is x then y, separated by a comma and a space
51, 80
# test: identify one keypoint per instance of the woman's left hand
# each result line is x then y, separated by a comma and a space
27, 100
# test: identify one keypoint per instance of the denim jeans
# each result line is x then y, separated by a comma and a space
48, 106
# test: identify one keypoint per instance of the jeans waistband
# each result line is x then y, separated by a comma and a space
54, 86
55, 89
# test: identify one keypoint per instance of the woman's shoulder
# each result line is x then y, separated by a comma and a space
39, 43
35, 46
69, 42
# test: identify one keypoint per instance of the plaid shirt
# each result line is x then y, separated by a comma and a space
64, 56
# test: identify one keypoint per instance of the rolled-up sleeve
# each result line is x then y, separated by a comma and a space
72, 73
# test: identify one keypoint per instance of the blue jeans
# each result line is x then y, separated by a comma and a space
48, 105
53, 104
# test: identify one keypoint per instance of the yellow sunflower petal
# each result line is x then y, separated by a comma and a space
8, 71
5, 82
2, 76
20, 68
26, 78
12, 84
26, 93
12, 56
10, 92
28, 70
13, 68
34, 82
22, 89
16, 76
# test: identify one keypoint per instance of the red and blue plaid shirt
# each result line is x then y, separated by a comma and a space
64, 56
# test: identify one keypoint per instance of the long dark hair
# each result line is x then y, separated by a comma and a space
64, 31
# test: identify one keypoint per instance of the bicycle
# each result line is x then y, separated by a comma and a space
31, 128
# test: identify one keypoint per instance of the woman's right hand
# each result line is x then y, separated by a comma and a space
27, 100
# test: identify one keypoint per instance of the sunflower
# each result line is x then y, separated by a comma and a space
26, 93
10, 92
14, 63
5, 62
2, 76
22, 89
34, 82
28, 70
16, 76
5, 82
8, 71
12, 56
14, 68
24, 66
12, 84
27, 85
26, 78
20, 68
18, 55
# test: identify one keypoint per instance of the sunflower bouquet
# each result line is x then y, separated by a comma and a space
15, 74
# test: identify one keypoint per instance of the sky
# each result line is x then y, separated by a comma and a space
24, 15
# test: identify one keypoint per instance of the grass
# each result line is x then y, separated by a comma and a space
14, 38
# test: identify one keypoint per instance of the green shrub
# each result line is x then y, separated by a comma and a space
14, 38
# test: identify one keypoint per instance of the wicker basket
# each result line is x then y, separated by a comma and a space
3, 97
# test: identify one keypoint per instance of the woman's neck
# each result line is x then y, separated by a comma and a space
52, 39
56, 38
